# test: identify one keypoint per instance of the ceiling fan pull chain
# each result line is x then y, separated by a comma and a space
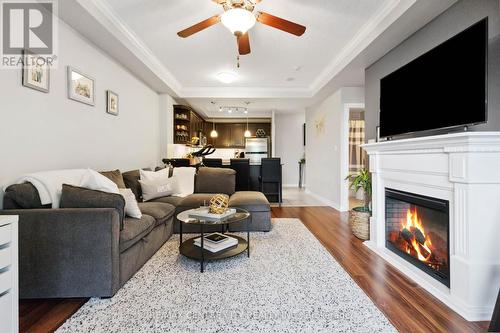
238, 61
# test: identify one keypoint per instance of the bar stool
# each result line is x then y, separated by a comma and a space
242, 168
212, 162
270, 173
180, 162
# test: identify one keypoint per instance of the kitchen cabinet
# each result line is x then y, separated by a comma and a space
224, 138
238, 135
187, 124
232, 135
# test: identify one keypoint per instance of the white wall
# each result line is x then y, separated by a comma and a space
325, 124
289, 145
40, 131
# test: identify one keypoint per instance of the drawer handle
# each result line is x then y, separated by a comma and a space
5, 293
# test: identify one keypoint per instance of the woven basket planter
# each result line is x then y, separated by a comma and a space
359, 221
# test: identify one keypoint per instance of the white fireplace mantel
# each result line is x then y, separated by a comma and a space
463, 168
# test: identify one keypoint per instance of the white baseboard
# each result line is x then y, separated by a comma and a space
327, 202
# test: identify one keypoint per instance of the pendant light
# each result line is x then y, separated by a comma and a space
214, 133
247, 132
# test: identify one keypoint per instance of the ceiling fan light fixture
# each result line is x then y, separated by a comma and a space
238, 20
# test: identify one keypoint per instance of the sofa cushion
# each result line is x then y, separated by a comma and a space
195, 200
174, 201
134, 230
215, 180
115, 176
79, 197
250, 200
22, 196
159, 210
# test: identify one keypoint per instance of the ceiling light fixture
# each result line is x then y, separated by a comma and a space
238, 20
247, 132
214, 133
226, 77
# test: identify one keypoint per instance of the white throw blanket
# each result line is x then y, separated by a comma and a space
49, 183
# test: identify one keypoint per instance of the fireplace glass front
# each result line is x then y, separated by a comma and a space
417, 229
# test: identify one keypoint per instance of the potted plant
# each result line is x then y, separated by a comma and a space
359, 217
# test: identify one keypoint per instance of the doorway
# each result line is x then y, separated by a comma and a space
357, 156
353, 157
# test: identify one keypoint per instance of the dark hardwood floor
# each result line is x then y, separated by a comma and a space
409, 308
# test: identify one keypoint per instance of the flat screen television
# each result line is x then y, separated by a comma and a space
444, 88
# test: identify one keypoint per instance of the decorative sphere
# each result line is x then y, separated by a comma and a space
219, 204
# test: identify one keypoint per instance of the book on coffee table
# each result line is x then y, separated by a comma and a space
203, 213
216, 238
214, 247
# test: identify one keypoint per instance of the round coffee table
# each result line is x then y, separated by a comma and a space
188, 249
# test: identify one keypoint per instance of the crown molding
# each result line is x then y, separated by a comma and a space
107, 16
379, 22
244, 92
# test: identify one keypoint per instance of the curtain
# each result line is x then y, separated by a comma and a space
357, 155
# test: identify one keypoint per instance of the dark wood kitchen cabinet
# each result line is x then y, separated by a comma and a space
187, 124
232, 135
238, 135
224, 138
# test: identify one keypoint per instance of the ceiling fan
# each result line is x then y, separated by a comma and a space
238, 17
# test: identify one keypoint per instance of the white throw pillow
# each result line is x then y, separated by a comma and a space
185, 181
152, 189
131, 206
154, 175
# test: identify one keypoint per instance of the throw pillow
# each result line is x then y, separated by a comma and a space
152, 189
154, 175
95, 181
115, 176
131, 205
79, 197
22, 196
185, 181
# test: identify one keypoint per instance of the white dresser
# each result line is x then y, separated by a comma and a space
9, 303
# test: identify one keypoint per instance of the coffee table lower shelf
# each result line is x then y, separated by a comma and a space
192, 251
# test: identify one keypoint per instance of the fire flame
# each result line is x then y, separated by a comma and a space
413, 223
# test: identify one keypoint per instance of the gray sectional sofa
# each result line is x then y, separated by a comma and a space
93, 252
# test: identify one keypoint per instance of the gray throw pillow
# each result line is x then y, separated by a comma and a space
115, 176
79, 197
22, 196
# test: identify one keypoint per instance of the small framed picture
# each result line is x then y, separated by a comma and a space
81, 87
36, 74
112, 105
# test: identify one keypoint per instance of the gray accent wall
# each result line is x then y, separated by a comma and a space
456, 19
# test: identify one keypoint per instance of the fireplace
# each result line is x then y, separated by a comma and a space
417, 229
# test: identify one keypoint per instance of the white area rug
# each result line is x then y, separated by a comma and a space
290, 283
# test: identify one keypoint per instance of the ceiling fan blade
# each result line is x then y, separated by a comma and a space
281, 24
199, 26
244, 44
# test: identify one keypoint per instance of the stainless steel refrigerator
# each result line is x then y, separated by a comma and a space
257, 149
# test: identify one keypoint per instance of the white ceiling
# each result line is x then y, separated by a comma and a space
343, 37
196, 60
